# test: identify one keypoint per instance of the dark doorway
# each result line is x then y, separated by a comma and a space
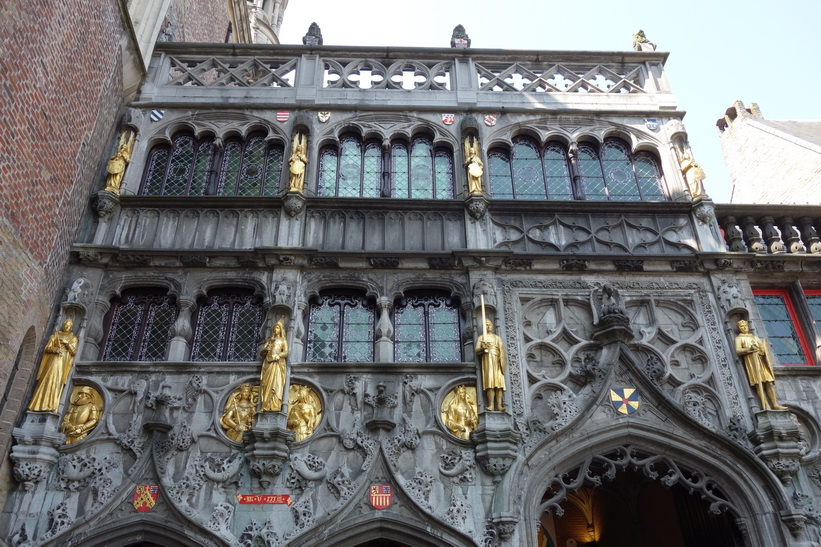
635, 510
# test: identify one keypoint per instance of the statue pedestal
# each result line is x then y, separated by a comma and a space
497, 443
776, 441
36, 448
268, 445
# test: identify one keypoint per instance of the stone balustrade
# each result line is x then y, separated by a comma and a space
771, 229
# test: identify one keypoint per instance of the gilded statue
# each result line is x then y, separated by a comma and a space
475, 167
304, 411
83, 414
297, 163
641, 43
272, 380
493, 359
240, 409
459, 411
118, 162
694, 175
758, 363
58, 358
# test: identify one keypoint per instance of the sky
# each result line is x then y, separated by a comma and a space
720, 50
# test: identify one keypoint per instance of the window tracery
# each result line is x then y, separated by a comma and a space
528, 171
415, 170
197, 167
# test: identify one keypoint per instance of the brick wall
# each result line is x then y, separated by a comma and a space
60, 93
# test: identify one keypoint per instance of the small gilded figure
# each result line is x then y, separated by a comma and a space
493, 358
694, 175
304, 411
118, 162
459, 411
758, 363
297, 163
58, 358
83, 414
475, 167
240, 408
272, 380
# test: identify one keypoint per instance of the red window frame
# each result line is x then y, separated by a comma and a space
809, 356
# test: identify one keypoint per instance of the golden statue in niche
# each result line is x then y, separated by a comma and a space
118, 162
84, 413
475, 167
240, 409
304, 411
58, 358
459, 411
272, 380
758, 363
297, 163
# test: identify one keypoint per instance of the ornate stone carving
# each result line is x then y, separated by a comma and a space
444, 262
59, 519
629, 265
458, 511
563, 405
368, 446
382, 404
29, 473
518, 263
476, 205
269, 446
256, 535
220, 521
497, 444
106, 203
325, 262
304, 518
777, 442
695, 405
419, 488
384, 262
293, 203
340, 485
459, 466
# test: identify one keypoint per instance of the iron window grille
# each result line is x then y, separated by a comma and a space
427, 330
139, 328
227, 328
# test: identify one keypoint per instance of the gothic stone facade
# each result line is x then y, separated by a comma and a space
379, 266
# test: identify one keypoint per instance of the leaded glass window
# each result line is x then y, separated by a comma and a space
139, 327
191, 167
227, 328
340, 329
780, 323
427, 330
417, 170
530, 172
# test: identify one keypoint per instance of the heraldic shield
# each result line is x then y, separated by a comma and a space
145, 497
381, 496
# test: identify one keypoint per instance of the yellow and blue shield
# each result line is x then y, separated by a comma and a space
625, 400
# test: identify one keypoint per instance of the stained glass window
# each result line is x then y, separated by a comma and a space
139, 327
227, 327
340, 329
530, 172
417, 170
191, 167
427, 330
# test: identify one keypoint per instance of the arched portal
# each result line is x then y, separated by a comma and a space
634, 509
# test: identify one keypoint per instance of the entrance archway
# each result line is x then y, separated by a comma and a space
633, 509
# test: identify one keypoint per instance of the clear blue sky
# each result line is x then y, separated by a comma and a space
720, 50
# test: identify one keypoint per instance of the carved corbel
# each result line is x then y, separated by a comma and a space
497, 443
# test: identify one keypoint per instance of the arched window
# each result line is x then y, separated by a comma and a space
530, 172
226, 327
340, 329
249, 168
417, 170
139, 326
427, 330
612, 173
196, 167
